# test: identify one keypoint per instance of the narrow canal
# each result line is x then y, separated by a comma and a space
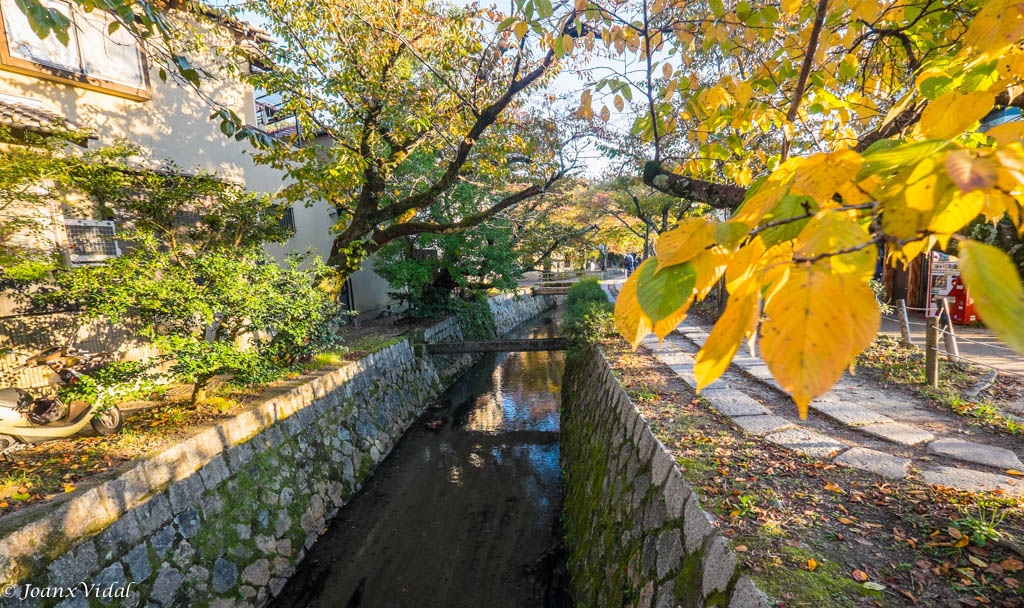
465, 512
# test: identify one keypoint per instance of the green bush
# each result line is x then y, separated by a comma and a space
475, 318
588, 316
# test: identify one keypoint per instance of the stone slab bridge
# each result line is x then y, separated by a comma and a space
496, 346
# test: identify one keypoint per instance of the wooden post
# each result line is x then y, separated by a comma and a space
952, 349
931, 352
901, 307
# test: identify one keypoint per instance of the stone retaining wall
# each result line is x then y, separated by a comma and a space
635, 532
221, 518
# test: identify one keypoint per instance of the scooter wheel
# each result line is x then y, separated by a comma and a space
6, 441
109, 422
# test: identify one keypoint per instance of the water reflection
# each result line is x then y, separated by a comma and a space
465, 512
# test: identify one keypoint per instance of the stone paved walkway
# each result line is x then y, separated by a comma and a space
857, 424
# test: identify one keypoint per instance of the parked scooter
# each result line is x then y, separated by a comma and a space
25, 420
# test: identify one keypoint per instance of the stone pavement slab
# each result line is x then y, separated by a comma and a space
850, 414
897, 432
735, 403
805, 442
976, 452
762, 425
875, 462
972, 481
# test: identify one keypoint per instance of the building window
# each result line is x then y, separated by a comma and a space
94, 57
288, 219
91, 241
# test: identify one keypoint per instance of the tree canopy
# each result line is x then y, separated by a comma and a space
828, 129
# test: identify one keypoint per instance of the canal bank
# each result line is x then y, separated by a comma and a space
466, 511
221, 518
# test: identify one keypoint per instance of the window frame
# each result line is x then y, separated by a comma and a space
19, 65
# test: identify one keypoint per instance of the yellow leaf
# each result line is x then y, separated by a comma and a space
821, 175
951, 114
69, 487
969, 172
606, 114
709, 265
811, 564
790, 7
520, 29
581, 5
957, 212
999, 24
743, 264
859, 575
963, 542
816, 323
831, 231
618, 102
630, 319
994, 283
738, 321
1007, 133
846, 521
681, 244
833, 487
764, 196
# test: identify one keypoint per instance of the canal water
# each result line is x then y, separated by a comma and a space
465, 512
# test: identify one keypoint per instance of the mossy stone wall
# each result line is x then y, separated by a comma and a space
635, 532
222, 518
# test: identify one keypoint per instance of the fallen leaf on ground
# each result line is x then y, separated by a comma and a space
811, 565
859, 575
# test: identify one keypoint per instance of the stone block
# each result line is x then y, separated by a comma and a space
225, 575
153, 513
696, 526
188, 522
112, 575
762, 425
665, 595
137, 561
646, 595
850, 414
120, 536
735, 403
214, 472
73, 566
670, 552
165, 587
875, 462
675, 492
185, 493
661, 463
978, 453
746, 595
84, 513
972, 481
898, 432
717, 566
807, 443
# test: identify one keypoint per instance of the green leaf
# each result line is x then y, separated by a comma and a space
890, 155
717, 8
504, 25
662, 293
994, 283
937, 86
789, 207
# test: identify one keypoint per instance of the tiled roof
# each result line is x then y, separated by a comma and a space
23, 116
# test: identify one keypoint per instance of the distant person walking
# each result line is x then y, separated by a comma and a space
629, 263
